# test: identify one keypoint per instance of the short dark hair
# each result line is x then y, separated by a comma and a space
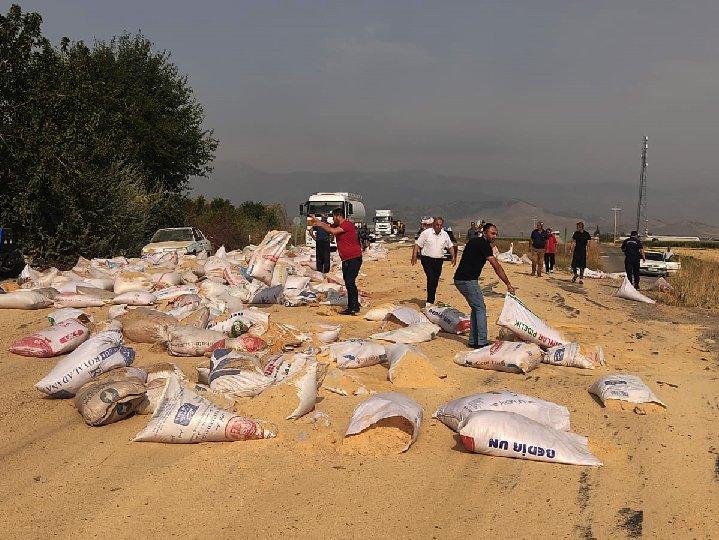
633, 233
487, 226
338, 212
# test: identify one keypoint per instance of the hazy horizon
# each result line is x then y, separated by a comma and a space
557, 92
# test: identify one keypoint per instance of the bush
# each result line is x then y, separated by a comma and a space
695, 285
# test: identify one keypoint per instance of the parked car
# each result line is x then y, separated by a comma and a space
659, 263
181, 239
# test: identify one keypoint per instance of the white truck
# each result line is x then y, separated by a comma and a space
320, 203
383, 222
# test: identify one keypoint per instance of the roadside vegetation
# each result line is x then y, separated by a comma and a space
563, 258
695, 285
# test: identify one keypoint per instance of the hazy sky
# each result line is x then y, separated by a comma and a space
546, 90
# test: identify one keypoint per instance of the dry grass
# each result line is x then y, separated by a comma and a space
563, 258
695, 285
711, 255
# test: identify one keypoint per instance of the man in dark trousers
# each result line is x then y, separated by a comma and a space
537, 245
350, 250
580, 245
476, 252
322, 245
633, 252
433, 242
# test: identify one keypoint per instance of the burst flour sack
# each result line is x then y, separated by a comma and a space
100, 353
407, 315
623, 387
237, 375
263, 260
449, 319
509, 356
380, 313
626, 290
62, 338
414, 333
183, 416
569, 355
191, 341
454, 413
507, 434
64, 314
520, 320
357, 353
386, 405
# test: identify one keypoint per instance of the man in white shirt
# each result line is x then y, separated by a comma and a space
432, 242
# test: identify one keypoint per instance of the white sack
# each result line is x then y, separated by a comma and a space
454, 413
449, 319
182, 416
626, 290
507, 434
237, 375
263, 260
77, 300
101, 353
570, 355
24, 300
135, 298
357, 353
63, 314
59, 339
509, 356
414, 333
407, 315
623, 387
184, 340
386, 405
520, 320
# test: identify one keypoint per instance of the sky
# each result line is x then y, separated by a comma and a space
505, 90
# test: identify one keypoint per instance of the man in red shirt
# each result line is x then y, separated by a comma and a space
350, 250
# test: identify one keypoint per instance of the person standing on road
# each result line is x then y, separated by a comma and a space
633, 252
350, 250
473, 231
476, 252
537, 244
432, 242
322, 245
580, 245
550, 250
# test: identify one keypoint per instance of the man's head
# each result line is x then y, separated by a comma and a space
490, 232
338, 215
548, 229
633, 233
472, 225
540, 225
580, 226
438, 224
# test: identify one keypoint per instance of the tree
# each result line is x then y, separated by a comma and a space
96, 144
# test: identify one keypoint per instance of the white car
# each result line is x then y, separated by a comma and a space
659, 263
180, 239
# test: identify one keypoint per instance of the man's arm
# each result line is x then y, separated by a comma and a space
313, 234
644, 257
452, 250
500, 273
327, 227
415, 250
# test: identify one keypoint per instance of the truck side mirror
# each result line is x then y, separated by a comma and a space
350, 209
302, 209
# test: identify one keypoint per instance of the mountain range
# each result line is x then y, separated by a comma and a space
513, 205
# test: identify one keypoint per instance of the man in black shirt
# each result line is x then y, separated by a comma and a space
633, 251
477, 251
322, 245
537, 245
580, 244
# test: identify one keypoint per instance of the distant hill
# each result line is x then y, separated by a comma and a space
512, 204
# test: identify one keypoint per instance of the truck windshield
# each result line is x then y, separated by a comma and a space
172, 235
318, 207
382, 219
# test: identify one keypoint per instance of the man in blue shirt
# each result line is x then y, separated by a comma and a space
322, 245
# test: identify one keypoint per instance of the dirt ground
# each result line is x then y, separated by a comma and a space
660, 476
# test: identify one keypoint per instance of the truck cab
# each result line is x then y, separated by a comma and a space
383, 222
324, 202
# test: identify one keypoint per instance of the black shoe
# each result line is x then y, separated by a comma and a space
477, 346
347, 312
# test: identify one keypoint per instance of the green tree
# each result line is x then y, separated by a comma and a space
96, 144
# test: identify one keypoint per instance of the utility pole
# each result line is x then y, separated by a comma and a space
615, 210
642, 203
